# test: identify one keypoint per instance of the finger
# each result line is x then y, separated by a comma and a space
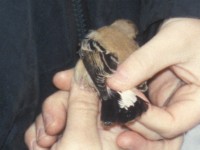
140, 128
179, 116
30, 139
30, 136
54, 112
82, 120
143, 130
43, 139
62, 80
162, 88
83, 103
149, 60
132, 141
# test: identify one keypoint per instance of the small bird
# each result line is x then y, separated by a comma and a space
101, 51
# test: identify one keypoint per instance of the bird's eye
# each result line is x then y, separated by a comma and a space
111, 61
111, 57
114, 58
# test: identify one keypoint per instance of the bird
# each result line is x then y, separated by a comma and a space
101, 51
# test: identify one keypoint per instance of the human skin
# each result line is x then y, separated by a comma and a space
171, 59
56, 136
82, 125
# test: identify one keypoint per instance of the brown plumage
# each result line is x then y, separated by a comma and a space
101, 51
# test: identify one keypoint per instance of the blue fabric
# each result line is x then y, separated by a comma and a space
39, 38
36, 40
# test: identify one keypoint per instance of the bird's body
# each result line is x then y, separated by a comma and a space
101, 51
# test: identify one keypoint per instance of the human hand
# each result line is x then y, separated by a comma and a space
155, 86
82, 129
51, 123
171, 59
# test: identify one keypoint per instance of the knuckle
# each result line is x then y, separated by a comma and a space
82, 105
169, 132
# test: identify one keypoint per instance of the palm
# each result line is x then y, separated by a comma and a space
108, 137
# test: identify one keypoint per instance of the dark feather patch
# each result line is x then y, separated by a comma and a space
109, 61
110, 108
99, 63
111, 112
132, 112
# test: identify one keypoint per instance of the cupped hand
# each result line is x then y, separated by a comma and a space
71, 121
47, 131
172, 59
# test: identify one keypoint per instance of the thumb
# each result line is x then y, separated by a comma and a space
82, 120
82, 108
161, 51
132, 141
62, 80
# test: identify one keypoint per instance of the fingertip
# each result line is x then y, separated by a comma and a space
46, 140
130, 140
55, 127
42, 139
119, 80
143, 64
54, 112
62, 79
30, 139
50, 125
130, 73
123, 141
54, 122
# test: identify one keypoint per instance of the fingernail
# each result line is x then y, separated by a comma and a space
48, 120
